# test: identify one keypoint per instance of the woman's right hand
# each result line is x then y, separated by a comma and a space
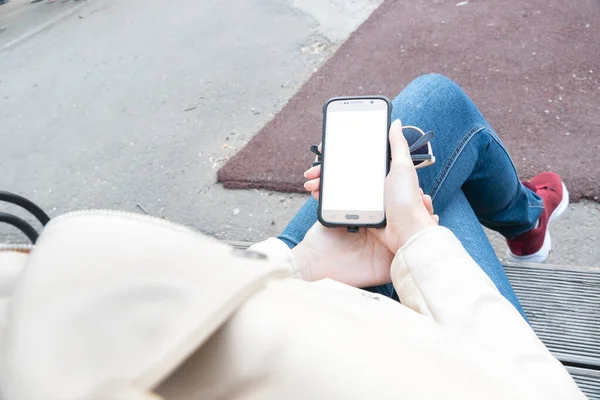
408, 209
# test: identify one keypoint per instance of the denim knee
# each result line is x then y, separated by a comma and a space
437, 103
435, 85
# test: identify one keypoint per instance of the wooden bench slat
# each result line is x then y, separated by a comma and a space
563, 306
587, 380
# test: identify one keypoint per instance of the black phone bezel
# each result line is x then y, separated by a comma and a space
323, 141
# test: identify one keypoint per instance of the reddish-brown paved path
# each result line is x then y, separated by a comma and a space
532, 67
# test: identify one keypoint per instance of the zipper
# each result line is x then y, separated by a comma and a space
25, 248
139, 217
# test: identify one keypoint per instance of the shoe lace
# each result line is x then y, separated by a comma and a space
538, 188
545, 188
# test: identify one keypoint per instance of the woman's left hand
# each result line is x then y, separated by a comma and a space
357, 259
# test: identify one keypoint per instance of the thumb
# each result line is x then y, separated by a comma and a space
398, 145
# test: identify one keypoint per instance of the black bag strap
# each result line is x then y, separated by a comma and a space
19, 223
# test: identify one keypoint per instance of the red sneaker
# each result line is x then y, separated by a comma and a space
534, 246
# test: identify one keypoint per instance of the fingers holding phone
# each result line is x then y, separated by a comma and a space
428, 202
313, 176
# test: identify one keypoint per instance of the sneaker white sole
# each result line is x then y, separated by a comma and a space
542, 254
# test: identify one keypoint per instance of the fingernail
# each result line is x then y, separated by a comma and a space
397, 123
305, 172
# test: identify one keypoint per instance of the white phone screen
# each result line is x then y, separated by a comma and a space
355, 161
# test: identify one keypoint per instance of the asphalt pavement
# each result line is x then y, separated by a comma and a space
131, 105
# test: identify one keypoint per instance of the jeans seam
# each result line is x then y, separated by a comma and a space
505, 151
494, 136
451, 160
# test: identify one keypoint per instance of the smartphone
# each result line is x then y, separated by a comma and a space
355, 161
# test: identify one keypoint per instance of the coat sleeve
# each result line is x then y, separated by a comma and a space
434, 272
279, 252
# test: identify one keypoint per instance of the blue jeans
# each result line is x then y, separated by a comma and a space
473, 182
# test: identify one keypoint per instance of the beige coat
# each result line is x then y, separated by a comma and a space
119, 306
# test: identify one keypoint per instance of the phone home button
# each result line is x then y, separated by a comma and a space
351, 216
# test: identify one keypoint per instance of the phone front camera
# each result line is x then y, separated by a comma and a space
372, 102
